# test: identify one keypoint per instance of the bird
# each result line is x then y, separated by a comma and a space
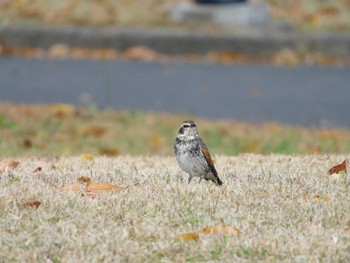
193, 156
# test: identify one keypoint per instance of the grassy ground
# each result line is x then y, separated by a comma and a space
286, 209
60, 129
282, 207
306, 15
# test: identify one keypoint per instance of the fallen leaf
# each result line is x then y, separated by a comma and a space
106, 53
287, 57
59, 51
87, 156
30, 52
228, 57
27, 143
85, 184
328, 11
38, 169
94, 130
62, 110
188, 237
140, 53
326, 199
35, 204
101, 187
8, 165
338, 168
322, 198
109, 151
217, 230
220, 230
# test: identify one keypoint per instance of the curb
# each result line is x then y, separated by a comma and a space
175, 42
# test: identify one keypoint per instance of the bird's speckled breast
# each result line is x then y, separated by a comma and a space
188, 155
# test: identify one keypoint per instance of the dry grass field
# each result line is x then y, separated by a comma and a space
283, 208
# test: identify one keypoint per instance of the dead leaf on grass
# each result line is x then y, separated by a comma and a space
10, 164
38, 169
322, 198
94, 130
62, 110
85, 184
109, 151
188, 237
328, 11
87, 157
217, 230
221, 230
35, 204
27, 143
338, 168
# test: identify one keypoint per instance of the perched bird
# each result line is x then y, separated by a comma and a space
192, 154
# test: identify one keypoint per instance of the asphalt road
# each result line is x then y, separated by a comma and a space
310, 96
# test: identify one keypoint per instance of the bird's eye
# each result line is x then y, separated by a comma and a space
186, 125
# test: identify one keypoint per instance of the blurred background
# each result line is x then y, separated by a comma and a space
119, 77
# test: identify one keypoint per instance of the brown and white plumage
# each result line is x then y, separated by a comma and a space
193, 155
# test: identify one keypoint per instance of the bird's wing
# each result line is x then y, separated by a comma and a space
206, 154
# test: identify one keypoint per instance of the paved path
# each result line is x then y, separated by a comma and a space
303, 95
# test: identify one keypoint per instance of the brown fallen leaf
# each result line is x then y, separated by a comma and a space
287, 57
28, 52
94, 130
38, 169
35, 204
228, 57
328, 11
217, 230
62, 110
338, 168
100, 187
10, 164
87, 156
322, 198
59, 51
109, 151
86, 185
27, 143
220, 230
194, 236
140, 53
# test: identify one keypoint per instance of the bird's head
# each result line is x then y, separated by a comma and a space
188, 129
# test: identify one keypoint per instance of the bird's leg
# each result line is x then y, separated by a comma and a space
189, 179
200, 179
